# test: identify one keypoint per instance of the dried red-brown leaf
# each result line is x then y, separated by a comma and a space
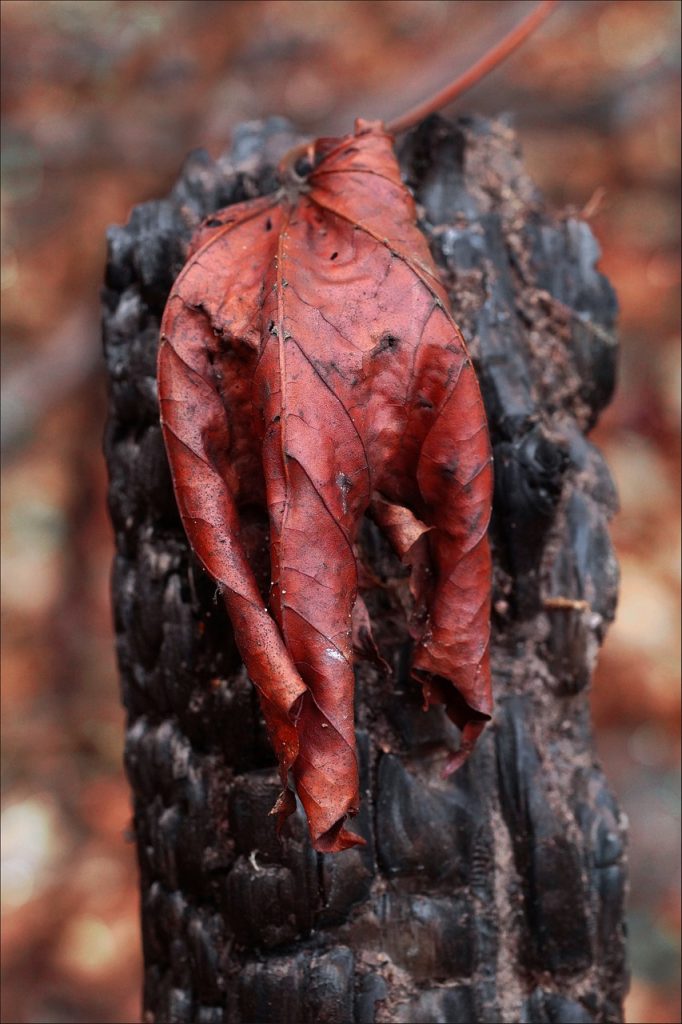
309, 366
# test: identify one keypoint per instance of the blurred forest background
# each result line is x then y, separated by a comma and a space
101, 101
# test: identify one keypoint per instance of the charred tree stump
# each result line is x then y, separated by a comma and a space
496, 895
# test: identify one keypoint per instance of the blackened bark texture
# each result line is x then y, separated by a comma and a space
497, 894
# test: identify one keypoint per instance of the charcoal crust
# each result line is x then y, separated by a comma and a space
494, 895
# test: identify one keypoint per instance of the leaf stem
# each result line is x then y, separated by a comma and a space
477, 71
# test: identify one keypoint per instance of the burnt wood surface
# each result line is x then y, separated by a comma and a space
495, 895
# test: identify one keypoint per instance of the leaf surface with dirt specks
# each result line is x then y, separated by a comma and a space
310, 372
